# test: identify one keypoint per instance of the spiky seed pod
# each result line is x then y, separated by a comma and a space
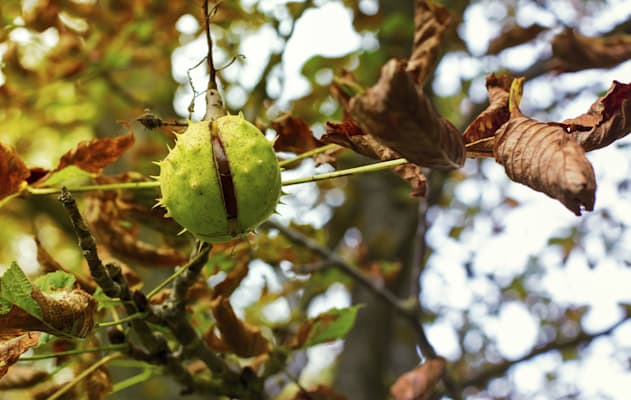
221, 180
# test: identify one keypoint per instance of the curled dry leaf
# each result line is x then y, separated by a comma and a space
236, 336
12, 345
349, 135
545, 158
294, 135
397, 113
418, 383
479, 135
575, 52
430, 22
514, 35
13, 172
608, 119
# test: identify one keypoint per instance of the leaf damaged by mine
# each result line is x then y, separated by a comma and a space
607, 120
545, 158
47, 305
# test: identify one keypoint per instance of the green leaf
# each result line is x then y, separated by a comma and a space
68, 176
103, 300
331, 325
58, 280
5, 306
15, 288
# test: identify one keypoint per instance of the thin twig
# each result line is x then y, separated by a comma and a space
499, 369
84, 374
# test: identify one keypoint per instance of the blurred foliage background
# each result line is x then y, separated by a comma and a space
516, 292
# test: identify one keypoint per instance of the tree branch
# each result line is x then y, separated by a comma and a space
484, 376
409, 314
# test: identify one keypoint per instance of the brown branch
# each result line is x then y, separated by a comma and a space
411, 315
483, 377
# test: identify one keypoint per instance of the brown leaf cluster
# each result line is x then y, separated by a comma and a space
419, 383
112, 217
575, 52
549, 157
12, 345
236, 336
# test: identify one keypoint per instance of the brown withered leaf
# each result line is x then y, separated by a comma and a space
320, 392
13, 171
22, 377
95, 154
419, 383
479, 135
514, 35
430, 22
49, 264
545, 158
349, 135
112, 217
397, 113
232, 281
294, 135
236, 336
13, 345
608, 119
70, 313
575, 52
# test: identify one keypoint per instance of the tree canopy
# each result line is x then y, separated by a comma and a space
453, 222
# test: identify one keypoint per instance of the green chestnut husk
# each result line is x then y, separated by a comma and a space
221, 180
